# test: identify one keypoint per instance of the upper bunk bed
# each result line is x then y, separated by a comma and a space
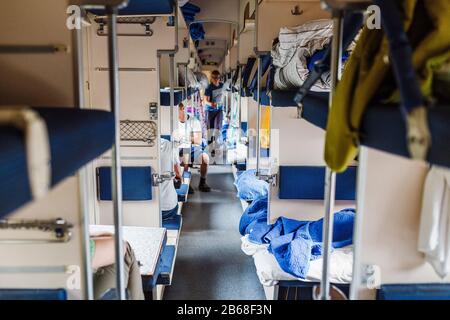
179, 96
143, 8
75, 137
383, 125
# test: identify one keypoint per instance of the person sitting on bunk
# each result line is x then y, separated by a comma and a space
169, 197
190, 131
103, 263
214, 101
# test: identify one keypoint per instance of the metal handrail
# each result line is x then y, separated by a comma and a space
59, 228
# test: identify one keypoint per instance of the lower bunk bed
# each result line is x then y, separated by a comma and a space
280, 285
275, 274
287, 253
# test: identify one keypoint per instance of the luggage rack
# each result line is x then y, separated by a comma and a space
144, 131
145, 21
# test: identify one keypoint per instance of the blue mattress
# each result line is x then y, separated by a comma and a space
422, 291
382, 126
315, 105
143, 7
307, 182
165, 97
76, 137
165, 266
33, 294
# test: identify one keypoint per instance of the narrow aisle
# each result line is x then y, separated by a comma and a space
210, 264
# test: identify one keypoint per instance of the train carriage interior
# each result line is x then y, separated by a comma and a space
225, 150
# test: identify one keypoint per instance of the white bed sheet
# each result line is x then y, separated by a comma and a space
269, 271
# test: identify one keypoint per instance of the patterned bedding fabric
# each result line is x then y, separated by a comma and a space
296, 45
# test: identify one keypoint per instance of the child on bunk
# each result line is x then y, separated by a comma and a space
103, 254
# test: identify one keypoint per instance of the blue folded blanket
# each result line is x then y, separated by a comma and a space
294, 243
250, 187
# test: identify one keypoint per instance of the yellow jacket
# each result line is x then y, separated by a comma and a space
366, 70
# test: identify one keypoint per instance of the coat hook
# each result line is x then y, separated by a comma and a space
296, 11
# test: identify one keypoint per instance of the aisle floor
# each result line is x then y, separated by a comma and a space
210, 264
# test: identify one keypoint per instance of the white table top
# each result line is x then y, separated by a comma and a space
147, 244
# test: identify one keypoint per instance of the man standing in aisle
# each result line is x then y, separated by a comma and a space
214, 102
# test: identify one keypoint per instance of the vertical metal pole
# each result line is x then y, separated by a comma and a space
186, 77
258, 118
172, 104
116, 172
158, 143
226, 96
358, 223
330, 176
255, 44
83, 178
240, 102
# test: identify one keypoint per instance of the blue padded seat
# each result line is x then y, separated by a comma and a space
136, 183
143, 7
307, 182
182, 193
165, 97
76, 137
187, 174
33, 294
174, 223
423, 291
165, 266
